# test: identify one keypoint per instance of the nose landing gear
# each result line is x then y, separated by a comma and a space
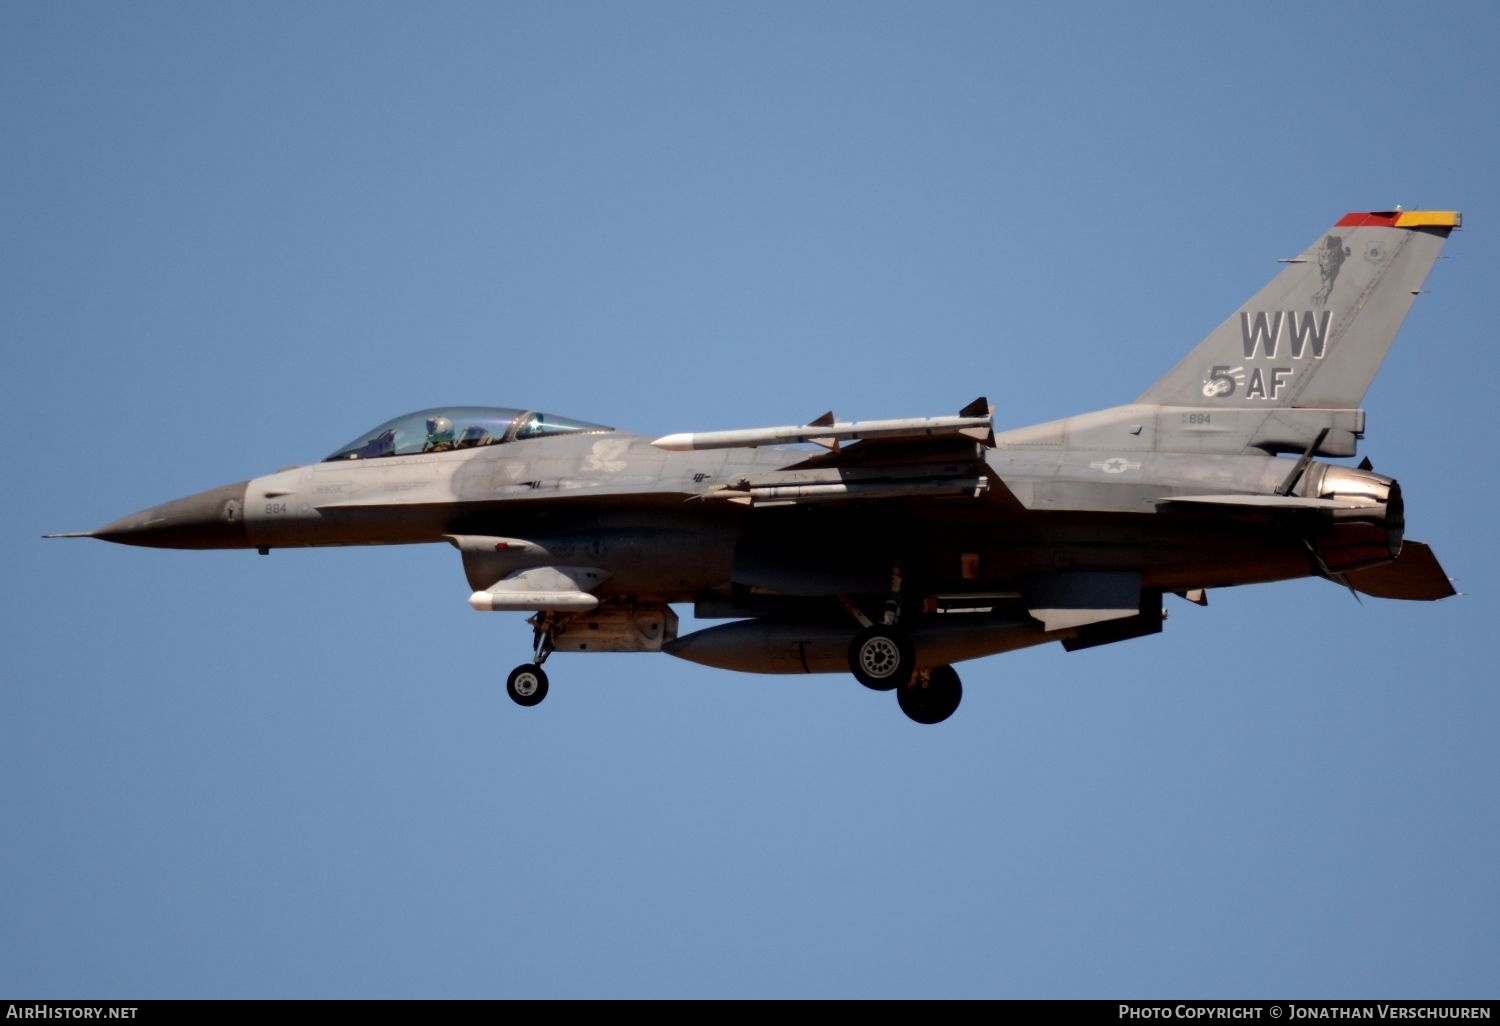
527, 683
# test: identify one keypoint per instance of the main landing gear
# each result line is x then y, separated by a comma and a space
527, 683
881, 654
883, 658
931, 696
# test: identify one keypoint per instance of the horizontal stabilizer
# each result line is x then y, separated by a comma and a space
976, 421
541, 588
1416, 575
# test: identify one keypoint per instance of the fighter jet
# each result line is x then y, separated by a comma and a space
892, 549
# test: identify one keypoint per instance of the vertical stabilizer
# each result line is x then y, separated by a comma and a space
1314, 337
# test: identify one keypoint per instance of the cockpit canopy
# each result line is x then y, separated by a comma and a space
445, 428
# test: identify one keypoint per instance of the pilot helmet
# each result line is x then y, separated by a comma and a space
439, 429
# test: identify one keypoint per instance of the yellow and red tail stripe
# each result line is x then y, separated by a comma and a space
1403, 219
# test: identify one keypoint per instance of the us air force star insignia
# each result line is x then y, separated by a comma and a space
1116, 465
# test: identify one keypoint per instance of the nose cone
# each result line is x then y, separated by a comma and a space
214, 519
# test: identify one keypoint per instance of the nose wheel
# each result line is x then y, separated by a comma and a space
527, 683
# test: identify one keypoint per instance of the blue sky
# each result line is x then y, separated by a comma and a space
236, 235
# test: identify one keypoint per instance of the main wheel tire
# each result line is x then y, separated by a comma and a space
527, 684
931, 697
881, 657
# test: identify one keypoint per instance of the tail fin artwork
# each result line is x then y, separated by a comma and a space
1315, 335
1287, 371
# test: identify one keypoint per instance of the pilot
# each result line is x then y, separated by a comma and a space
439, 435
474, 436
